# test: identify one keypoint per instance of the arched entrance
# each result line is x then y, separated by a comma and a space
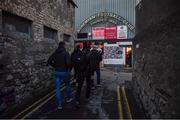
108, 18
105, 19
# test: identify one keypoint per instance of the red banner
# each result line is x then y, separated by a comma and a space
98, 32
111, 33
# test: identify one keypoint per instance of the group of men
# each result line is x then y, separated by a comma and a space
84, 60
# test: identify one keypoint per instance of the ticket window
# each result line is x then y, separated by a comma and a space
128, 56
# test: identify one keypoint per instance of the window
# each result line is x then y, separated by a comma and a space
50, 33
14, 23
82, 35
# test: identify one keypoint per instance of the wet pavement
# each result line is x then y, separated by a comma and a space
103, 103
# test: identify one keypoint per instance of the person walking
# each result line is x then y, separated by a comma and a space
95, 59
98, 68
60, 60
80, 64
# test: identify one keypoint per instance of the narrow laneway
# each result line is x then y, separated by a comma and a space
48, 48
102, 104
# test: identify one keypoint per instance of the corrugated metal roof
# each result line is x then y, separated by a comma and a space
87, 8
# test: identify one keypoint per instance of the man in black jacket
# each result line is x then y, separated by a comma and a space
95, 59
80, 64
60, 60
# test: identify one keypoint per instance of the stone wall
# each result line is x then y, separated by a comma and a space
51, 13
23, 71
157, 59
150, 12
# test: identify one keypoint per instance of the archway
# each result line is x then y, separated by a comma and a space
107, 17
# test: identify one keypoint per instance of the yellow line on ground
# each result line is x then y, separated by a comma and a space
37, 107
35, 104
119, 103
127, 103
28, 114
42, 103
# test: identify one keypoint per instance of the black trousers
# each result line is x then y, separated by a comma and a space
81, 77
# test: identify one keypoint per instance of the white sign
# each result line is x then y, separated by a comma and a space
114, 54
124, 43
122, 32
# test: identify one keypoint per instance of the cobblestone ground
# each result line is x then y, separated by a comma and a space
102, 103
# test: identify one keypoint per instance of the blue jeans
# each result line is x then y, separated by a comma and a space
59, 76
98, 75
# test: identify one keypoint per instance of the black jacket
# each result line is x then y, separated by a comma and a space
95, 59
60, 59
78, 60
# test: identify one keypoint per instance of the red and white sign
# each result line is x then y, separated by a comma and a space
98, 32
122, 32
111, 33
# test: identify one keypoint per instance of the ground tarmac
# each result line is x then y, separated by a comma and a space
104, 102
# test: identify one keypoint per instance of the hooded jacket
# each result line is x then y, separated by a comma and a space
60, 60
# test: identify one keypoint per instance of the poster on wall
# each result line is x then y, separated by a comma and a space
122, 32
111, 33
114, 54
98, 32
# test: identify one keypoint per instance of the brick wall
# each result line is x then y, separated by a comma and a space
24, 75
157, 59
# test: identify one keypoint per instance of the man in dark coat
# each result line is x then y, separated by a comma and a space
60, 60
95, 59
79, 62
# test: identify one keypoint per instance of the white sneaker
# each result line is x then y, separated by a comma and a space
69, 100
59, 107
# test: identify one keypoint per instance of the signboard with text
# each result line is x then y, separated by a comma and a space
114, 54
122, 32
98, 32
111, 33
